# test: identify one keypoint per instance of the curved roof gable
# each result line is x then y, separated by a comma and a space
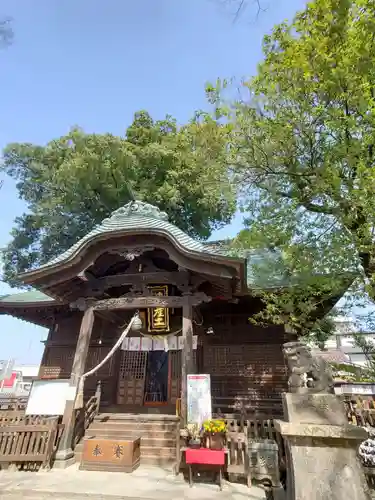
133, 217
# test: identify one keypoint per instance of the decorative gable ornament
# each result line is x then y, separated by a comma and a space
137, 208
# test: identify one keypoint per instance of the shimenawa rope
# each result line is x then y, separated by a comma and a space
79, 397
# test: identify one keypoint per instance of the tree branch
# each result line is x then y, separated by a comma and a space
312, 207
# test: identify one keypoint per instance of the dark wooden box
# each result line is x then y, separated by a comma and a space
111, 455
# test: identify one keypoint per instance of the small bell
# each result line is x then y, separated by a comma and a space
137, 324
210, 331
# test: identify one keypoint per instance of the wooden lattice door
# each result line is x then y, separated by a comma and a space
132, 375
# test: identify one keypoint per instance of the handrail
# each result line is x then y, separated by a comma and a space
178, 407
85, 415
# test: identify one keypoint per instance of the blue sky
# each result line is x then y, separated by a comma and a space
94, 63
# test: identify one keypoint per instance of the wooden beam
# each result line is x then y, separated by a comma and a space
161, 278
139, 302
187, 366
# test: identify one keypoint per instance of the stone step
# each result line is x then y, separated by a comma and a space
133, 426
158, 435
105, 430
138, 418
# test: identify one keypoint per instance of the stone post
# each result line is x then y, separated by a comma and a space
321, 449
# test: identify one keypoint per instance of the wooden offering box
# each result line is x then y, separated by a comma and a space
111, 455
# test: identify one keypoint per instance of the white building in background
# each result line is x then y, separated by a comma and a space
18, 384
343, 340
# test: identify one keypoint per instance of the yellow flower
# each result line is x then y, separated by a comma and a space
214, 426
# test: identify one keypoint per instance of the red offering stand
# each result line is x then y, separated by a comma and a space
204, 456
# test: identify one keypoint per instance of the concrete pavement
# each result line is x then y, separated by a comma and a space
146, 483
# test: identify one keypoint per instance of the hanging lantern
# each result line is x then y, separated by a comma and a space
137, 324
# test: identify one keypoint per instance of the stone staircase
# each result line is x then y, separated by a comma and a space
158, 435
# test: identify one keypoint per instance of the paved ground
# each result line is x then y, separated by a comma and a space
146, 483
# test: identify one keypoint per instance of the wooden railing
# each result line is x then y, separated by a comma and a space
29, 443
254, 408
240, 431
85, 415
360, 410
242, 427
12, 417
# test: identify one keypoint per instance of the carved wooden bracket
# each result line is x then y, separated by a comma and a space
181, 279
140, 302
82, 303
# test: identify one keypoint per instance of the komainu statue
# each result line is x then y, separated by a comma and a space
307, 373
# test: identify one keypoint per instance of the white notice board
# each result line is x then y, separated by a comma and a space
199, 398
48, 397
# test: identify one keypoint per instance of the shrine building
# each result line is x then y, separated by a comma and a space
195, 301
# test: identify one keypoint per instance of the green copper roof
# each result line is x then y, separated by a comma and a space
25, 297
139, 216
133, 217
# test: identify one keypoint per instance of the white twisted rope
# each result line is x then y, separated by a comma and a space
79, 398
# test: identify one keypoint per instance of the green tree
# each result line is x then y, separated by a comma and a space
303, 144
77, 180
355, 373
297, 284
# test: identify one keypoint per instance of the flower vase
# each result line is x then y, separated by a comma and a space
194, 443
215, 441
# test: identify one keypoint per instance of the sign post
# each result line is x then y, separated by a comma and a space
198, 399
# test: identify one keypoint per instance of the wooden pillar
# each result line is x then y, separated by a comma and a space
65, 451
187, 353
82, 348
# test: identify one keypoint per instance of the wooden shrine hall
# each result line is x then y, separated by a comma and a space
194, 301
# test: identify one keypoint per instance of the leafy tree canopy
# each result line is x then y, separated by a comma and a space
75, 181
356, 373
303, 144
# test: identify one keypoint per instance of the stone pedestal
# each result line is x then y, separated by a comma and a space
321, 449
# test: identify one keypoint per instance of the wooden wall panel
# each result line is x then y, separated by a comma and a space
245, 361
57, 362
246, 365
60, 348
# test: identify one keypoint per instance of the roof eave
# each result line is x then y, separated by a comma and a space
30, 276
20, 305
